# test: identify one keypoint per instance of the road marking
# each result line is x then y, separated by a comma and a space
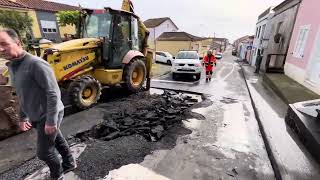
223, 79
174, 82
220, 71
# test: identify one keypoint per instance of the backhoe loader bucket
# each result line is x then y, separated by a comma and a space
9, 118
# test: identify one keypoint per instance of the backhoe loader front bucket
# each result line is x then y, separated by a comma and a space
9, 118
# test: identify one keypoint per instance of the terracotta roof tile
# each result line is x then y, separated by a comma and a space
46, 5
8, 3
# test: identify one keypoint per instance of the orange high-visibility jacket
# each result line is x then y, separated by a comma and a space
209, 63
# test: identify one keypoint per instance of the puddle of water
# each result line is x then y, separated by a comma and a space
233, 133
134, 172
44, 173
156, 91
228, 153
192, 123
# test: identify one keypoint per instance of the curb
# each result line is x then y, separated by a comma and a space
270, 153
164, 74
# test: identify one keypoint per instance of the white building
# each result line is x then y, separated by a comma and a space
261, 37
158, 26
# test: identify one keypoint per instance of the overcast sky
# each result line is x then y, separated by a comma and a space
222, 18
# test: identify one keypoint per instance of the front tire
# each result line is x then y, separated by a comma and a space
198, 76
84, 92
135, 75
174, 76
169, 62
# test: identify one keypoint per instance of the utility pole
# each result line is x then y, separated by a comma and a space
154, 38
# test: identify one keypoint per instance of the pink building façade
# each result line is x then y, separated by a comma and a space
303, 59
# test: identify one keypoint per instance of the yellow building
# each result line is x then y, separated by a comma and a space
44, 17
173, 42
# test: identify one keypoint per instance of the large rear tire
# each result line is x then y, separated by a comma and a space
84, 92
135, 75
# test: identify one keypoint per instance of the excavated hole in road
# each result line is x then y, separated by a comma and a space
150, 115
131, 123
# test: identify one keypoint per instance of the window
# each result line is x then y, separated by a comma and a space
160, 54
301, 41
259, 32
48, 26
98, 25
262, 32
135, 33
187, 55
279, 27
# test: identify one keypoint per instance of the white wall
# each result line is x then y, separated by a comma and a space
166, 26
300, 76
264, 34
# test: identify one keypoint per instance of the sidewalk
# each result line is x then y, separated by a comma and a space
160, 70
287, 89
293, 161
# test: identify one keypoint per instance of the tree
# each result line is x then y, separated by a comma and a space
18, 21
69, 18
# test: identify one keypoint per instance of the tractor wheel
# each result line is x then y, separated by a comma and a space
84, 92
134, 75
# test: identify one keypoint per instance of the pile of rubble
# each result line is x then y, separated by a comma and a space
9, 118
145, 114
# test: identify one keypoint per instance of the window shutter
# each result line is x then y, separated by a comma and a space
301, 41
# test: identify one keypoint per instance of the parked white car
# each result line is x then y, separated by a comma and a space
164, 57
187, 62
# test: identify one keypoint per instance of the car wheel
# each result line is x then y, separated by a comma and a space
198, 76
174, 76
169, 62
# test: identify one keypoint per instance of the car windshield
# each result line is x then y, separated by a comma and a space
187, 55
97, 25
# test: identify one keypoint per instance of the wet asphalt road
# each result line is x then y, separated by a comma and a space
226, 145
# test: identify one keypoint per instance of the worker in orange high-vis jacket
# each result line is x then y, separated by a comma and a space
209, 62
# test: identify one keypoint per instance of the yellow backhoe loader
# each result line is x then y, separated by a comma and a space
112, 50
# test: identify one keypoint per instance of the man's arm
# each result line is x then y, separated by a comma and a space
45, 78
